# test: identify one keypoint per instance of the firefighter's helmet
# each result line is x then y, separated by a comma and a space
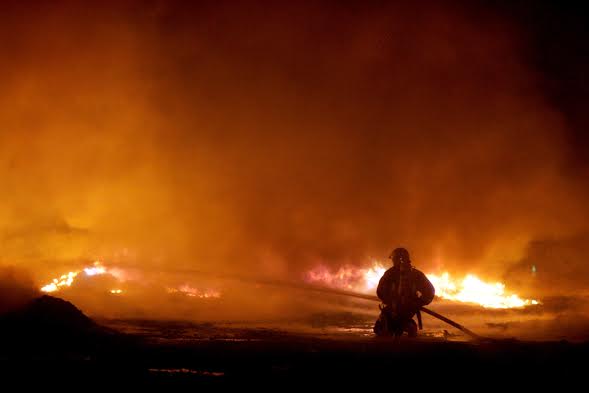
400, 255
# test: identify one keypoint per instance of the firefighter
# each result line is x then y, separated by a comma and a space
403, 290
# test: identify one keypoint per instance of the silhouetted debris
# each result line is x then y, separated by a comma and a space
48, 322
498, 326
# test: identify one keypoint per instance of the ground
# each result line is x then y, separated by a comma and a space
52, 344
186, 354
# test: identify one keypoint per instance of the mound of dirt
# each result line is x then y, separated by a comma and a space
47, 321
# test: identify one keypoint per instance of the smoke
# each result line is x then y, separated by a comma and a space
269, 137
554, 266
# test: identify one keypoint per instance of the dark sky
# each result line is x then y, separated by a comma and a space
557, 34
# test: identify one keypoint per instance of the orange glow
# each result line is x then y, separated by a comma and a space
170, 139
469, 289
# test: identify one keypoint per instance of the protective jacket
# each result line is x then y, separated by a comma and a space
405, 290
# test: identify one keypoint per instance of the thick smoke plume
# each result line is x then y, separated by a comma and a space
269, 137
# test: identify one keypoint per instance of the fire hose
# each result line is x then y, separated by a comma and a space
374, 298
316, 288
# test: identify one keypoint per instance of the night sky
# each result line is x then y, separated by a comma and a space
557, 34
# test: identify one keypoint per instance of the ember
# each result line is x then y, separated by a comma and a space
195, 292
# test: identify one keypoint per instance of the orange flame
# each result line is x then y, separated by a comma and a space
57, 283
470, 289
97, 269
67, 280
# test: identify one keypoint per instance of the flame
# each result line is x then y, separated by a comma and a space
97, 269
57, 283
67, 280
470, 289
195, 292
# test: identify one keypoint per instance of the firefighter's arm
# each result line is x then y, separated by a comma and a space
426, 290
381, 289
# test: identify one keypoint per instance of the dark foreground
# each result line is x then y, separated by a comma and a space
88, 355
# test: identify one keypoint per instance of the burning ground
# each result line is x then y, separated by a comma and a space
314, 304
